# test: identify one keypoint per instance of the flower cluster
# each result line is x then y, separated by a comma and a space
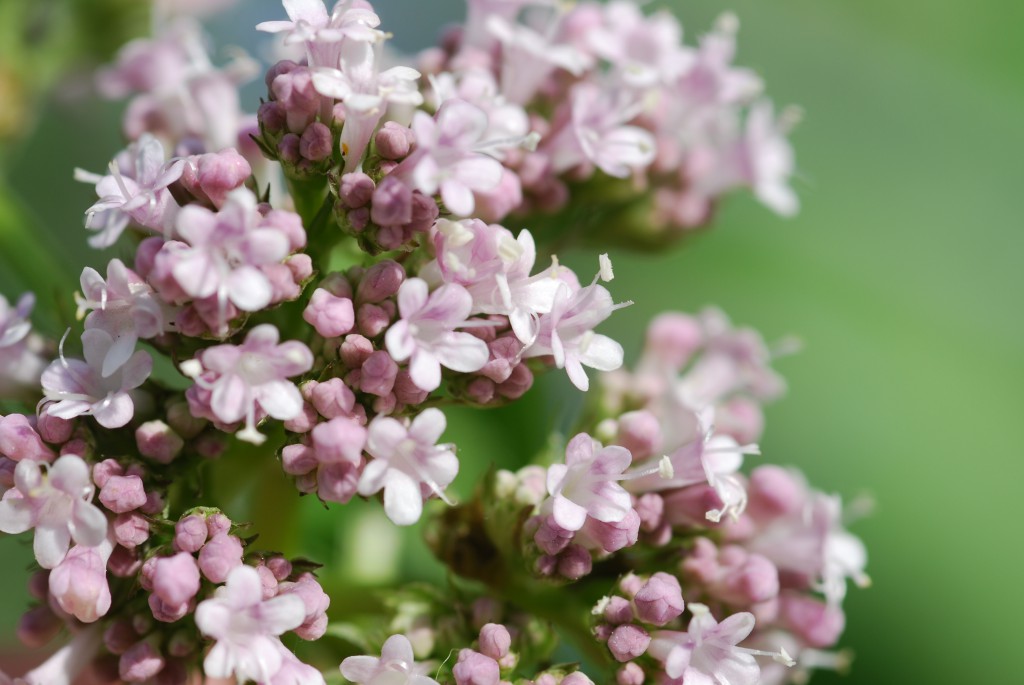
320, 279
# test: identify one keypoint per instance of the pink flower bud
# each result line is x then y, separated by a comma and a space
338, 482
659, 600
372, 320
406, 391
394, 141
742, 418
673, 338
156, 440
392, 203
218, 173
630, 674
631, 584
574, 562
381, 281
181, 420
304, 422
217, 523
340, 439
267, 581
480, 390
131, 529
300, 265
378, 373
333, 398
140, 663
190, 533
123, 562
79, 584
167, 613
577, 678
219, 556
298, 459
102, 471
628, 641
280, 567
356, 189
813, 621
38, 626
495, 640
611, 537
475, 668
650, 508
54, 430
551, 537
518, 382
640, 433
7, 468
123, 493
316, 602
546, 565
19, 440
331, 316
119, 636
775, 491
288, 149
176, 579
618, 610
316, 143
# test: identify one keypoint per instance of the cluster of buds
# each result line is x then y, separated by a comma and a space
328, 325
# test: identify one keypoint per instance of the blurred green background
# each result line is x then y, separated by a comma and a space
902, 275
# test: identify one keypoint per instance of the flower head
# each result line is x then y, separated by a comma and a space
586, 484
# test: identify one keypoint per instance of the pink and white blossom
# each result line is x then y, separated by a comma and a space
425, 333
56, 501
396, 666
134, 191
248, 380
246, 627
124, 306
529, 58
586, 484
322, 33
408, 464
708, 652
21, 363
73, 387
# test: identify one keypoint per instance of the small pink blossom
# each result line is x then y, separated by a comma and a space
79, 582
56, 502
406, 461
708, 651
78, 388
425, 334
134, 191
396, 666
252, 378
246, 627
585, 485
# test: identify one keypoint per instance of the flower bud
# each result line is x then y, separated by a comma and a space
121, 494
630, 674
659, 600
183, 422
640, 433
119, 636
298, 459
394, 141
156, 440
176, 579
331, 316
316, 143
475, 668
372, 320
19, 440
218, 173
38, 626
79, 584
280, 567
356, 189
406, 391
574, 562
618, 610
140, 663
378, 373
381, 281
673, 338
217, 523
495, 640
628, 641
338, 482
812, 620
333, 398
316, 602
102, 471
518, 382
340, 439
131, 529
219, 556
190, 533
392, 203
54, 430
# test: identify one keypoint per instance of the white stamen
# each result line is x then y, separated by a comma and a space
191, 368
607, 274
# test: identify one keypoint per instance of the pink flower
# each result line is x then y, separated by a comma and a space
529, 58
20, 361
450, 155
250, 378
708, 653
645, 50
567, 331
396, 666
57, 504
406, 458
79, 388
246, 627
425, 334
225, 252
124, 306
323, 34
79, 582
585, 485
135, 190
